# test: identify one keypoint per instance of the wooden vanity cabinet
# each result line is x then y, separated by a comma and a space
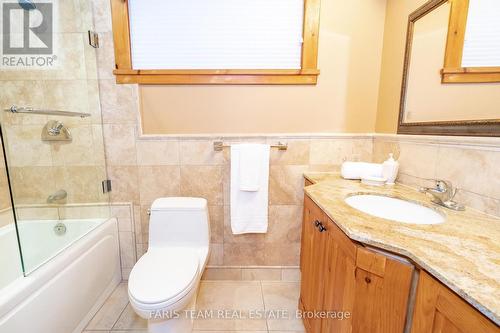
440, 310
339, 274
312, 262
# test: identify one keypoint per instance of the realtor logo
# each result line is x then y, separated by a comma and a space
27, 28
27, 36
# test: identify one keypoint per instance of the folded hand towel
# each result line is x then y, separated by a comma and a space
358, 170
249, 209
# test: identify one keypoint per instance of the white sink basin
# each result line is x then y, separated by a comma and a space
395, 209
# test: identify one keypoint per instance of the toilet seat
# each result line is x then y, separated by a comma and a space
163, 276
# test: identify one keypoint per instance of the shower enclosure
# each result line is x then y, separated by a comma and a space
53, 174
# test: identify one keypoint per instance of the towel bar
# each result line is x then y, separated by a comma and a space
219, 146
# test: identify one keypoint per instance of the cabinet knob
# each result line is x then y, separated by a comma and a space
317, 223
321, 227
368, 280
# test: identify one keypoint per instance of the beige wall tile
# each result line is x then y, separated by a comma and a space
21, 93
222, 274
286, 184
261, 274
32, 184
158, 181
482, 203
418, 160
127, 249
157, 152
244, 254
101, 10
144, 223
200, 152
69, 95
120, 144
105, 56
285, 224
37, 213
282, 254
216, 257
216, 214
332, 151
83, 183
473, 170
24, 147
80, 151
125, 183
202, 181
119, 102
296, 154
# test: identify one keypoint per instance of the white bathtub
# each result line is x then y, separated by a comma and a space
64, 292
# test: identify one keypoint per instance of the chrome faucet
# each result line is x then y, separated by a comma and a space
56, 196
443, 194
55, 128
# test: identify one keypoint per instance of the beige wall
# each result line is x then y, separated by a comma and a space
344, 100
428, 98
396, 21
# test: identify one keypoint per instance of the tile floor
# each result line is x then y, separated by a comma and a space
279, 298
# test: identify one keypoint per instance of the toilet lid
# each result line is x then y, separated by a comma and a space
163, 274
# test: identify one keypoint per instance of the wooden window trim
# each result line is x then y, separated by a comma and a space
125, 74
453, 72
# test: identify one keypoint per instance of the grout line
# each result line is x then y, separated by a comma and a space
119, 316
263, 302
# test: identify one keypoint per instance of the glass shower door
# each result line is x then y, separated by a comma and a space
10, 258
55, 159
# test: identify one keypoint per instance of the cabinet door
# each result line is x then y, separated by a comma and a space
382, 291
340, 282
313, 258
439, 310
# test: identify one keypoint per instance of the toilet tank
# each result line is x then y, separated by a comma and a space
179, 221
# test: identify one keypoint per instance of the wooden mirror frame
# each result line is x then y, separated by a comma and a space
487, 127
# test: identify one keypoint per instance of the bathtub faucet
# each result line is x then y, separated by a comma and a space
56, 196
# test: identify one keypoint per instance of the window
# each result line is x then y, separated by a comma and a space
216, 41
473, 45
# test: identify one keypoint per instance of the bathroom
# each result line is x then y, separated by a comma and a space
104, 144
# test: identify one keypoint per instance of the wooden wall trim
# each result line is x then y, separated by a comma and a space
121, 34
453, 72
218, 79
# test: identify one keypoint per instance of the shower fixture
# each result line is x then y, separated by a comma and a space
55, 130
27, 4
57, 196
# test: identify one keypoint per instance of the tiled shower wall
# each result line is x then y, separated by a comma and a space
471, 164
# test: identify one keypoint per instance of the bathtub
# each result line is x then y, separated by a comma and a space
62, 292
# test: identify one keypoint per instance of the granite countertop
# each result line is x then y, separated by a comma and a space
463, 253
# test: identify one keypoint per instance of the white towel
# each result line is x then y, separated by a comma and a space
251, 166
249, 209
358, 170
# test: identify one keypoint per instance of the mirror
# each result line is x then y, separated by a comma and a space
438, 98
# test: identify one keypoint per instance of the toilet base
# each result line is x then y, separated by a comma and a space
182, 324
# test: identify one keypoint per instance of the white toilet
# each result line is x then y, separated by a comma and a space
163, 284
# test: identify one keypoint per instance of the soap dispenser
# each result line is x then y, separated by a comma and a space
390, 169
